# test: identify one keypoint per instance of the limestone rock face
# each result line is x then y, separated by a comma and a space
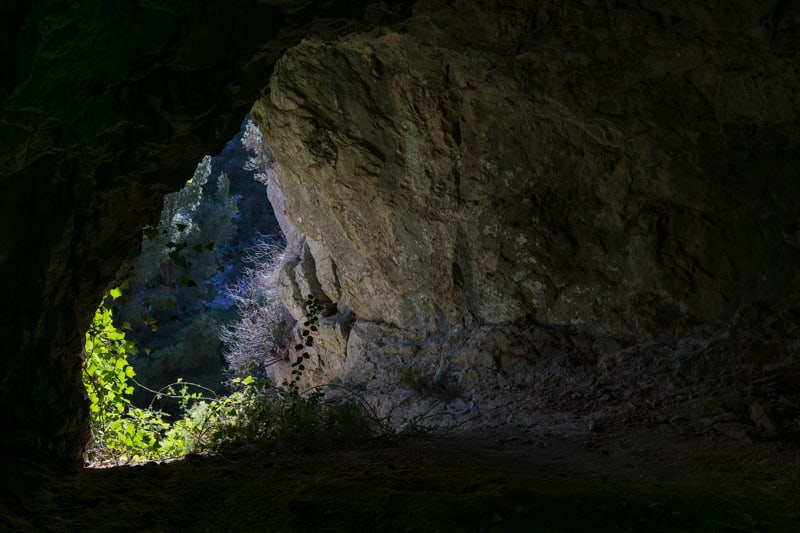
619, 175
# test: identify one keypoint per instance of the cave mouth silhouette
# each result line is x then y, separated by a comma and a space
197, 274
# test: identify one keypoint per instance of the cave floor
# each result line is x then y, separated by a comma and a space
500, 479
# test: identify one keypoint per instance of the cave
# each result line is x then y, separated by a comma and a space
540, 222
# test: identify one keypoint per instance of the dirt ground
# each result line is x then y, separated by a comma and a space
632, 451
497, 479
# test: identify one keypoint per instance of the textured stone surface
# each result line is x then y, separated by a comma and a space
590, 178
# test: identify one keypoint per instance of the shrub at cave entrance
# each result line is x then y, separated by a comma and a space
281, 417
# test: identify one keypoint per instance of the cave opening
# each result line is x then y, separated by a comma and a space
198, 316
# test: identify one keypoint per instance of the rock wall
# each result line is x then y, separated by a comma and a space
487, 186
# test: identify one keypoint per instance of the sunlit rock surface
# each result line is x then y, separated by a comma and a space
484, 195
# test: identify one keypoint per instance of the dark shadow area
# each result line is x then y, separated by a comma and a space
446, 483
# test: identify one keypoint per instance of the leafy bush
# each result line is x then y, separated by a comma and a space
192, 354
120, 431
255, 412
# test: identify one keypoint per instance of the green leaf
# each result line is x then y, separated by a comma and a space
129, 371
115, 293
178, 259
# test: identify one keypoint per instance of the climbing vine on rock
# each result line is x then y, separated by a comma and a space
313, 310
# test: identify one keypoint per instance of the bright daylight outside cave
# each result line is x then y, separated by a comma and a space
179, 353
493, 265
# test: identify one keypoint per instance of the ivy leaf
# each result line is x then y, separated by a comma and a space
180, 227
186, 282
115, 293
177, 258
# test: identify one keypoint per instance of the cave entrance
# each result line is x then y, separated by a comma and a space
199, 311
